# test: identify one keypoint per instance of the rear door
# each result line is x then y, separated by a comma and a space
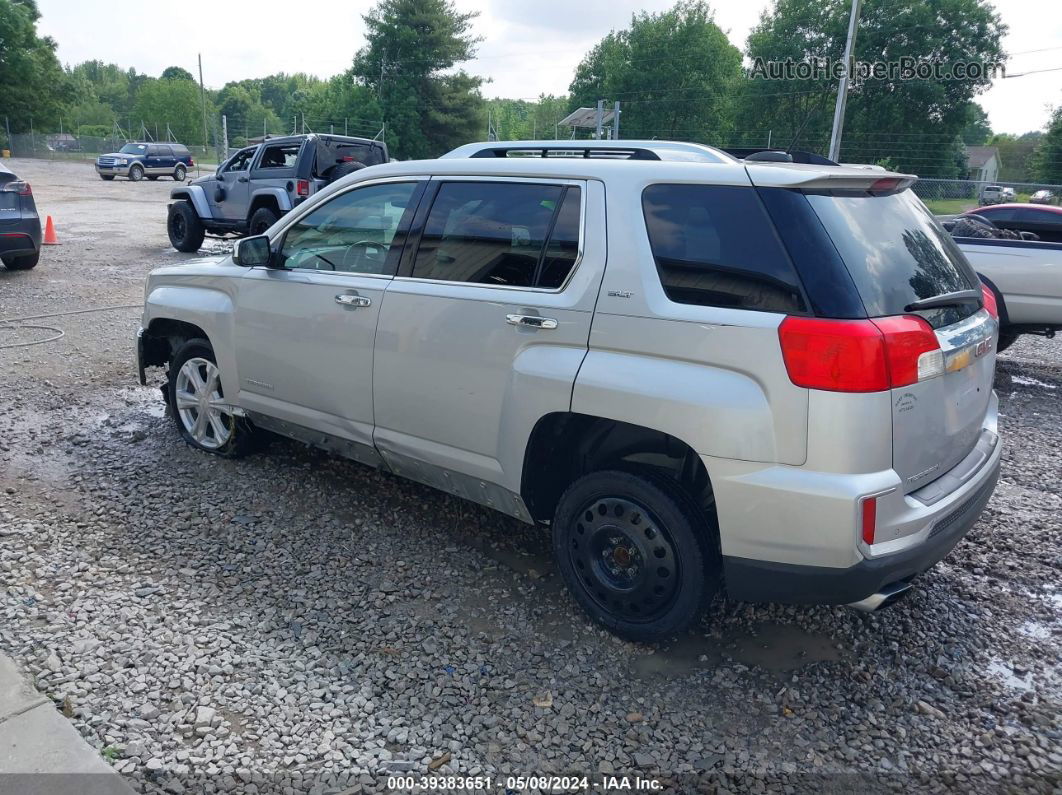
898, 254
485, 328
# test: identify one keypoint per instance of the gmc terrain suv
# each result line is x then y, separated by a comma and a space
701, 372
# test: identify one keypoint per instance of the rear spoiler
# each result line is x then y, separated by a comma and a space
780, 156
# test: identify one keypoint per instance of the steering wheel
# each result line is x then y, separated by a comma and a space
363, 244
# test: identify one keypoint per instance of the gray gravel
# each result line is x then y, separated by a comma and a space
293, 622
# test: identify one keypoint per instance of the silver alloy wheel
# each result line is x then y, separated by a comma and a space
200, 403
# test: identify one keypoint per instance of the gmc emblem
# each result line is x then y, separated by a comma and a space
981, 348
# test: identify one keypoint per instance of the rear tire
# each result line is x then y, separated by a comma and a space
635, 554
184, 227
136, 172
193, 384
1006, 339
23, 262
180, 173
261, 220
340, 170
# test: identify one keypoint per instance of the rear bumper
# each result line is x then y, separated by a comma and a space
767, 581
23, 237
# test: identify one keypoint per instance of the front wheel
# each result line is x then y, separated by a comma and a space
179, 173
635, 554
184, 227
136, 172
197, 403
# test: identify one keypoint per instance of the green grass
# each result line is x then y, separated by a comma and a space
950, 206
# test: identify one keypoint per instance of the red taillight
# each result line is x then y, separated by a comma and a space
26, 190
988, 298
870, 519
302, 187
859, 355
21, 187
191, 162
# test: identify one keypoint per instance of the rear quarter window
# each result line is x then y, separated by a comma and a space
715, 245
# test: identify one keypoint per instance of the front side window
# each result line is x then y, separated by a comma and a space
241, 161
280, 156
715, 245
500, 233
351, 233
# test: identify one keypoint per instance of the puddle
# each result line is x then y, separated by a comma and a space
772, 647
1026, 381
1010, 677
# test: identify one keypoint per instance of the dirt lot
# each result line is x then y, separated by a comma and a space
296, 622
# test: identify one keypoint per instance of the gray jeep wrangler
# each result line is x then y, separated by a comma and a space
258, 184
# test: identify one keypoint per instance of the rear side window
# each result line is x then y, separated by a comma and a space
716, 246
280, 156
894, 249
500, 233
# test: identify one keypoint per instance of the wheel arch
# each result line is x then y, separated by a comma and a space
563, 446
196, 196
274, 199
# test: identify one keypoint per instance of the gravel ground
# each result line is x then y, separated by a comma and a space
294, 622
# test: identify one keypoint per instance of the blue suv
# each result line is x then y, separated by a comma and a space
151, 160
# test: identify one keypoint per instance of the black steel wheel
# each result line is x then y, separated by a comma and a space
633, 553
184, 227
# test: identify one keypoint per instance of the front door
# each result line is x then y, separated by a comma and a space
484, 330
231, 198
305, 329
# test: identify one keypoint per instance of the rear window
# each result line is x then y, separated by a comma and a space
715, 245
894, 249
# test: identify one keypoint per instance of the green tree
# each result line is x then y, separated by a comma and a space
673, 73
977, 130
171, 102
1047, 159
33, 86
411, 43
176, 73
1016, 155
917, 122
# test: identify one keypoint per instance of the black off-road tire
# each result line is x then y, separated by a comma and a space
22, 262
136, 172
340, 170
244, 437
184, 227
668, 570
261, 220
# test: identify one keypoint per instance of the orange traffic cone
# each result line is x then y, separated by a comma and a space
50, 238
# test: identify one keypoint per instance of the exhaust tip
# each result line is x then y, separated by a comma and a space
888, 595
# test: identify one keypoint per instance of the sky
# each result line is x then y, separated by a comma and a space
528, 48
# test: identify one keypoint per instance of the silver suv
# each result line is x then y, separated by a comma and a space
702, 373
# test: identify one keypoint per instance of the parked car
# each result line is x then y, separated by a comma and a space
1008, 195
20, 226
1043, 197
1025, 276
258, 184
991, 194
1042, 220
701, 372
137, 160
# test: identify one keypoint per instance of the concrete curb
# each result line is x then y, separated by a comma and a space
41, 753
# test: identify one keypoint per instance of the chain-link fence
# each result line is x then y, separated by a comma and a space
69, 146
948, 196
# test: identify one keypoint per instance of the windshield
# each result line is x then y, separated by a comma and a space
133, 149
896, 252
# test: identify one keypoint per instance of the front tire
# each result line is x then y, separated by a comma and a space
23, 262
261, 220
635, 554
184, 227
197, 403
136, 172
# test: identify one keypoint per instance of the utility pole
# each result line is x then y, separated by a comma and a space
224, 136
600, 118
202, 97
842, 89
615, 120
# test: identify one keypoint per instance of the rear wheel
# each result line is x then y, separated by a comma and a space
136, 172
635, 554
184, 227
261, 220
197, 403
342, 169
180, 172
22, 262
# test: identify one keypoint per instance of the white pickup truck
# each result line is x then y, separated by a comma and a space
1026, 277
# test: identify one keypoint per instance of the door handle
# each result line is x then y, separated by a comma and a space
531, 321
353, 301
241, 179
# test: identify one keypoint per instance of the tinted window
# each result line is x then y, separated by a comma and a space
280, 156
351, 233
1038, 217
997, 214
563, 247
715, 246
894, 249
489, 233
180, 151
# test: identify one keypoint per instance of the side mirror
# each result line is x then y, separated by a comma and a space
252, 252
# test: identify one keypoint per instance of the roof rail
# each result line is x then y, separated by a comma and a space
617, 150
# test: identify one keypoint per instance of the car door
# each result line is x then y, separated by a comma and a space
231, 201
1046, 224
167, 161
484, 329
305, 328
